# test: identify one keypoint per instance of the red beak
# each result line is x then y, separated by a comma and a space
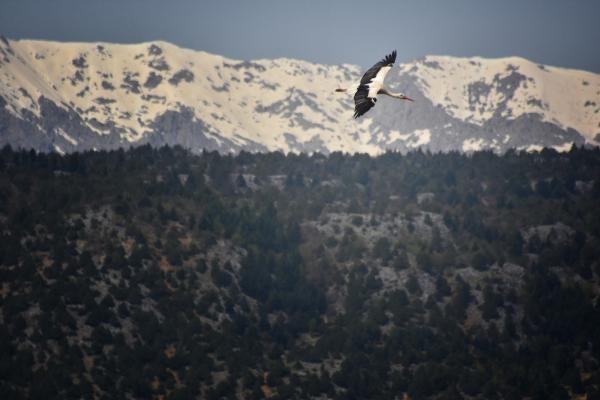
406, 98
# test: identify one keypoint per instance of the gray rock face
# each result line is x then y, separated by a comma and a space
449, 133
288, 108
44, 133
130, 83
181, 75
153, 80
182, 128
314, 145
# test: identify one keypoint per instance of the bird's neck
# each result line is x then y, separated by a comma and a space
391, 94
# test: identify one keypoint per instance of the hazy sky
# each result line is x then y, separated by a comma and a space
564, 33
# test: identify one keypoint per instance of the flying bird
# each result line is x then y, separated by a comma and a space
371, 85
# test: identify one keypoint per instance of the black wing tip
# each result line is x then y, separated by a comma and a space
390, 58
362, 103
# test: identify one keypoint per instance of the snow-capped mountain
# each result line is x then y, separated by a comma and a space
76, 96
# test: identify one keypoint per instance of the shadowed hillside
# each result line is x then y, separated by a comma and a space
155, 273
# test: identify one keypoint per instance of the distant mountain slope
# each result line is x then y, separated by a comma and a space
74, 96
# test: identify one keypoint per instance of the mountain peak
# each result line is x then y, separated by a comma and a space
106, 95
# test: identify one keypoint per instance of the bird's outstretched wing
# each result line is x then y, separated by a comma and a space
371, 82
388, 61
362, 101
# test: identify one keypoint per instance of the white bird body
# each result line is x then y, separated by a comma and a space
376, 83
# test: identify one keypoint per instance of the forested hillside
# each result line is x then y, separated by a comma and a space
155, 273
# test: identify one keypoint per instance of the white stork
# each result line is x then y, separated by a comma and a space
371, 85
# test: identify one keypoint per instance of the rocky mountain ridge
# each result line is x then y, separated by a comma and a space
82, 96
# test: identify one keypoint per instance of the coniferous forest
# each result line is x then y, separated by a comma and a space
156, 273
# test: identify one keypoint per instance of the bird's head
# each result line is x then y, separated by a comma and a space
402, 96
